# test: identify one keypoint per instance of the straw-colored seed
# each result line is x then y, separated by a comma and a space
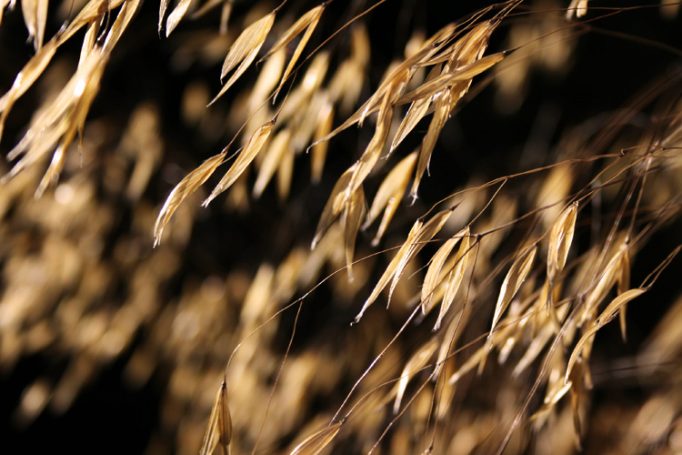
604, 282
244, 51
560, 239
577, 8
285, 173
386, 277
418, 109
183, 190
351, 219
318, 441
447, 344
425, 234
319, 151
382, 100
447, 391
623, 280
517, 274
25, 79
247, 155
307, 22
176, 15
219, 430
298, 101
456, 276
258, 299
448, 79
369, 158
279, 147
534, 349
35, 18
412, 367
604, 318
416, 240
429, 142
390, 194
267, 79
53, 295
163, 7
433, 273
332, 209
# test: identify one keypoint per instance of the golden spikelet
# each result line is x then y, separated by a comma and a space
603, 283
390, 195
318, 441
244, 51
577, 8
623, 280
332, 208
412, 367
25, 79
307, 22
246, 156
267, 80
515, 277
369, 158
402, 255
560, 238
219, 429
433, 273
319, 151
456, 275
435, 126
277, 150
604, 318
285, 173
351, 219
178, 13
183, 190
416, 240
35, 18
447, 345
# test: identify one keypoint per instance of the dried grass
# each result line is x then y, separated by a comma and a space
527, 268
